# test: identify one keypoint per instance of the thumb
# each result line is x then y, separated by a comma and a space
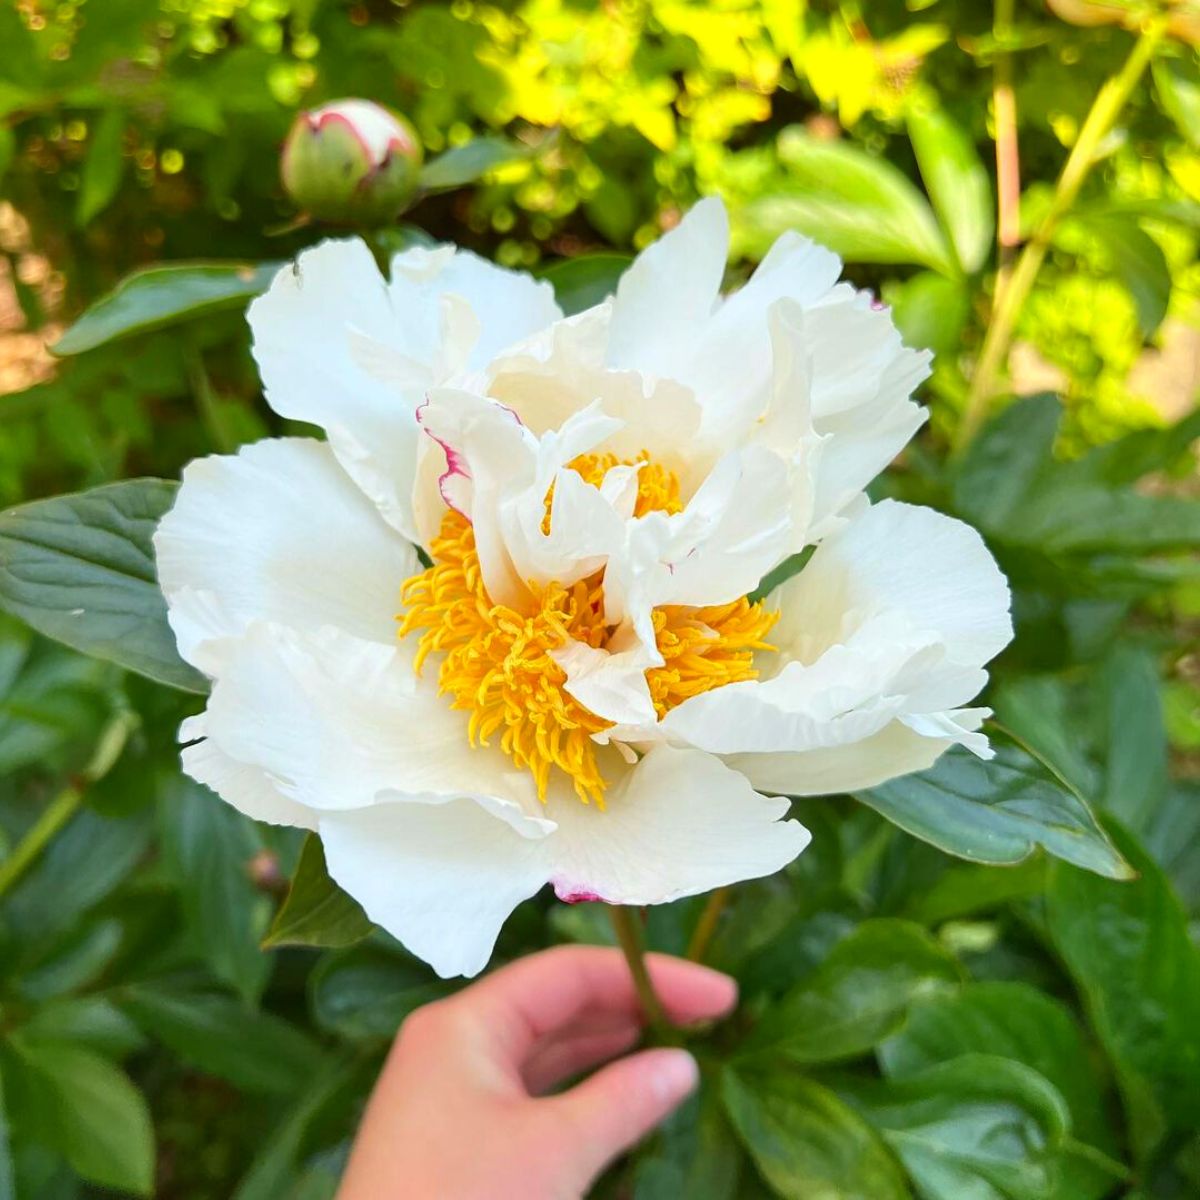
618, 1105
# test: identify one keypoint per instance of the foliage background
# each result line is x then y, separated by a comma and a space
147, 1041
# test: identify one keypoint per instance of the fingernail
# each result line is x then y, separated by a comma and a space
675, 1073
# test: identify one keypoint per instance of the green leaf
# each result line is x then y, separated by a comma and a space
957, 182
976, 1127
86, 1108
1177, 82
853, 202
1136, 768
316, 912
80, 569
1128, 949
8, 1187
93, 1022
155, 297
807, 1143
1005, 461
1137, 260
220, 1036
103, 166
366, 991
208, 846
1012, 1020
998, 810
80, 867
856, 997
579, 283
930, 311
965, 891
695, 1155
470, 162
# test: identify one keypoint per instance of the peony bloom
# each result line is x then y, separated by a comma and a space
568, 682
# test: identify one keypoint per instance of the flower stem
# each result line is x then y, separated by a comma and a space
1008, 156
629, 935
65, 805
707, 924
1108, 104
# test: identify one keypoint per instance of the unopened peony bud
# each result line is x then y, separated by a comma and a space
352, 161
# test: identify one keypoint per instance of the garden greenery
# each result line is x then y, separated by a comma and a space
979, 981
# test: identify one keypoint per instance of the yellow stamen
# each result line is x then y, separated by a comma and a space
497, 664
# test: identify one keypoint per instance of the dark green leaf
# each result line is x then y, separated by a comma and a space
87, 1109
806, 1142
964, 891
209, 847
998, 810
470, 162
1128, 948
90, 1021
366, 991
976, 1127
316, 911
1138, 453
80, 569
103, 166
219, 1035
957, 182
857, 996
855, 203
81, 866
1136, 768
581, 282
695, 1155
8, 1186
1012, 1020
159, 296
1174, 839
1004, 461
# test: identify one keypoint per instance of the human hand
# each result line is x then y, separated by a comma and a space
460, 1111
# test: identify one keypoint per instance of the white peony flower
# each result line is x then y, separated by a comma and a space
577, 691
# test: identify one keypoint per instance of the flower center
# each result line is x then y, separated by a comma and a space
497, 662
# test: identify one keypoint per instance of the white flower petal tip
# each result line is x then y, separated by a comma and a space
578, 690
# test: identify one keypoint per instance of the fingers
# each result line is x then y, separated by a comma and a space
613, 1110
572, 1054
531, 999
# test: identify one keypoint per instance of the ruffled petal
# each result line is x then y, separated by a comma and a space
440, 878
276, 533
678, 824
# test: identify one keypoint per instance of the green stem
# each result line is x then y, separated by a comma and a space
625, 922
707, 924
1104, 112
206, 401
65, 805
1008, 157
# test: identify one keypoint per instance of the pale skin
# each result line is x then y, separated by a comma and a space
470, 1105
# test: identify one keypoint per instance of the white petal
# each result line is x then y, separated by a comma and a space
340, 723
276, 533
339, 347
440, 878
678, 824
894, 751
667, 295
249, 789
902, 559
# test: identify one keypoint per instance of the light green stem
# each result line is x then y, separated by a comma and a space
65, 805
625, 922
1104, 112
707, 924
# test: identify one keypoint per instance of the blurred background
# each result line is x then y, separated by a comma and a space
137, 132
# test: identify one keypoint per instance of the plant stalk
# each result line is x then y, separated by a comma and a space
1008, 157
1104, 112
66, 804
707, 924
625, 922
